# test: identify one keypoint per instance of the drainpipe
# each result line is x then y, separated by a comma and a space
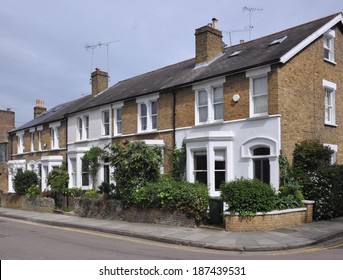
174, 118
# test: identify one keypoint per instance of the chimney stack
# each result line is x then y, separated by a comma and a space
208, 42
39, 108
99, 81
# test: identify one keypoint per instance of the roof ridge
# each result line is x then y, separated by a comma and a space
287, 29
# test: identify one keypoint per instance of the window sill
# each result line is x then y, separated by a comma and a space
330, 61
205, 124
330, 125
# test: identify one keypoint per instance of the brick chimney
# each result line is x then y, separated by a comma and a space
99, 81
39, 108
208, 42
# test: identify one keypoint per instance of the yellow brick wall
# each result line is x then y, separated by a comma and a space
301, 97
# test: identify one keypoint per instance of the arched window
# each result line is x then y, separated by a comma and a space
261, 164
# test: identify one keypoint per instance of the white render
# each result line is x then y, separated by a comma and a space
77, 148
237, 138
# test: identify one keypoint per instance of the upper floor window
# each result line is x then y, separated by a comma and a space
55, 135
86, 120
329, 101
118, 117
329, 47
40, 139
147, 113
209, 101
83, 127
80, 128
32, 140
20, 143
258, 80
106, 123
3, 152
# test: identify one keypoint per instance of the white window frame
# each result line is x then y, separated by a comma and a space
55, 137
20, 144
252, 75
104, 123
86, 126
116, 107
334, 148
79, 126
208, 87
32, 139
40, 137
147, 101
209, 143
329, 46
329, 107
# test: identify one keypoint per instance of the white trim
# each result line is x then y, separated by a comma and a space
330, 85
257, 72
147, 98
311, 38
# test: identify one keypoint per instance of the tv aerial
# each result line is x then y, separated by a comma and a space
100, 44
251, 10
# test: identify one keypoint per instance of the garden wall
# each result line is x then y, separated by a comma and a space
269, 221
12, 200
113, 209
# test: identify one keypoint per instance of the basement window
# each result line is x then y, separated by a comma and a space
278, 40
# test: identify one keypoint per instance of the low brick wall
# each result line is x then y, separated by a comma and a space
113, 209
12, 200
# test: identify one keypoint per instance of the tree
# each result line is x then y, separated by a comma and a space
135, 164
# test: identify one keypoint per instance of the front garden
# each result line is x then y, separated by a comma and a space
142, 194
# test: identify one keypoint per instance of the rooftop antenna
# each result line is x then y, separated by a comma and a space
234, 31
100, 44
250, 10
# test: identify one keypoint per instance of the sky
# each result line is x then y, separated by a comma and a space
43, 52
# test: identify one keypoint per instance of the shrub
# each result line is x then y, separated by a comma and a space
92, 159
33, 191
58, 178
135, 165
23, 180
309, 156
325, 187
248, 196
169, 194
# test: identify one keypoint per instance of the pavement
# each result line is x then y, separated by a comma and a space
202, 237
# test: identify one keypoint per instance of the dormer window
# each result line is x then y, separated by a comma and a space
328, 45
235, 53
278, 40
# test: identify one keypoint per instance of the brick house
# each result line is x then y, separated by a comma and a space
235, 108
6, 124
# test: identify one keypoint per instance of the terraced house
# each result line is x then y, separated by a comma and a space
235, 108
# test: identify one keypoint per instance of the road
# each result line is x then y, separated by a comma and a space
32, 241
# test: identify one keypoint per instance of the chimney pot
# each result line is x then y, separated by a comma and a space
214, 23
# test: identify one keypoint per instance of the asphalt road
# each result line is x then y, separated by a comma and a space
23, 240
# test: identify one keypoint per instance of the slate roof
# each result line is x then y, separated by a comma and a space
253, 54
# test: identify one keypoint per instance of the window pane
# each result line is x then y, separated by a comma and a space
219, 178
154, 107
262, 170
260, 86
261, 104
143, 123
202, 98
203, 114
143, 110
218, 95
200, 168
218, 112
263, 151
85, 174
154, 122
